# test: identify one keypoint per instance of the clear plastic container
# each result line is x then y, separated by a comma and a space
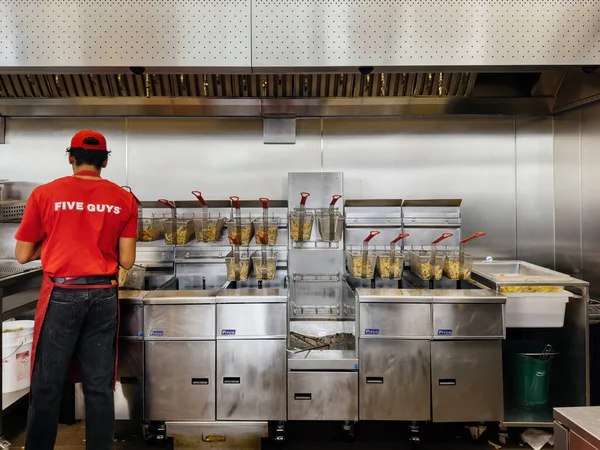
271, 263
330, 224
247, 229
386, 269
184, 232
272, 227
214, 229
453, 268
132, 278
243, 265
307, 220
354, 259
420, 264
150, 229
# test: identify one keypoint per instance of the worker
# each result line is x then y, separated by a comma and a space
82, 227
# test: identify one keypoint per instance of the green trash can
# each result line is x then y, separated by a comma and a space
531, 377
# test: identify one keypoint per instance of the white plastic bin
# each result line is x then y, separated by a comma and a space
536, 309
16, 354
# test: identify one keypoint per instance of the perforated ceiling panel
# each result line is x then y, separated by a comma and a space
352, 33
79, 33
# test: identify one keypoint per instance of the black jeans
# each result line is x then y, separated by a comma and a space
80, 322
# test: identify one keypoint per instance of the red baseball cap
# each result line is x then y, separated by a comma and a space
89, 140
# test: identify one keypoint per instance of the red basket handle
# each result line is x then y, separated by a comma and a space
137, 200
400, 237
234, 240
262, 238
166, 202
198, 195
371, 235
236, 201
475, 236
303, 197
265, 202
442, 237
334, 199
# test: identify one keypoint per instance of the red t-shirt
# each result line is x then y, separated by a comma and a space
80, 221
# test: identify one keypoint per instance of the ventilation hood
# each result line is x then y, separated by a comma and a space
302, 95
296, 57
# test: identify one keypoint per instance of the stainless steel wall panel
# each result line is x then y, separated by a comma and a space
410, 33
33, 140
468, 158
535, 190
171, 157
251, 380
590, 196
395, 380
102, 33
567, 188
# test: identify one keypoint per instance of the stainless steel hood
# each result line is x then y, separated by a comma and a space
294, 57
301, 95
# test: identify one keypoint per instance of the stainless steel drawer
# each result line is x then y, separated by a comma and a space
251, 379
395, 320
467, 381
395, 379
179, 322
180, 377
218, 435
323, 396
468, 320
239, 321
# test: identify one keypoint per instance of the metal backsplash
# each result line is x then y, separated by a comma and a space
577, 202
471, 158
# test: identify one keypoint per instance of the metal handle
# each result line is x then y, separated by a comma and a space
475, 236
137, 200
374, 380
442, 237
304, 196
400, 237
334, 199
128, 380
231, 380
447, 382
166, 202
198, 195
213, 438
371, 235
236, 201
265, 202
197, 381
303, 396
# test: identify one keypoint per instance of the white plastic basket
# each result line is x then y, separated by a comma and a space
536, 309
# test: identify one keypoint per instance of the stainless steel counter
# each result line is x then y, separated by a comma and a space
584, 421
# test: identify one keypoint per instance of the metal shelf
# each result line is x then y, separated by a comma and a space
522, 417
